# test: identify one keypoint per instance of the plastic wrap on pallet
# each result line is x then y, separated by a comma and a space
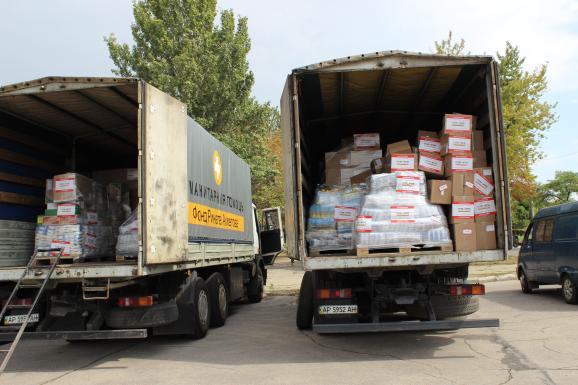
396, 213
77, 241
331, 220
127, 242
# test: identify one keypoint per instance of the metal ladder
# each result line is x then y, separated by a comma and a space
31, 265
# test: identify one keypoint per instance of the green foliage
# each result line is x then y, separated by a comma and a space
181, 49
562, 189
526, 116
449, 47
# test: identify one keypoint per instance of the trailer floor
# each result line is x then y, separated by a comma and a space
260, 345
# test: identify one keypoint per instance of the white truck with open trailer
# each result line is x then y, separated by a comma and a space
394, 94
198, 239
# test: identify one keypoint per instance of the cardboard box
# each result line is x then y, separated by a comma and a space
462, 209
401, 147
401, 162
336, 159
361, 178
378, 165
455, 163
462, 183
346, 173
458, 123
478, 140
485, 210
363, 157
72, 187
480, 159
456, 143
485, 236
428, 141
366, 141
332, 176
465, 237
483, 182
431, 163
439, 191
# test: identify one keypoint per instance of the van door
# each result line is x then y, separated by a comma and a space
566, 244
544, 252
526, 258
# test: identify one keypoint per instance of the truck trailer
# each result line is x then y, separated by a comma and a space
394, 94
196, 228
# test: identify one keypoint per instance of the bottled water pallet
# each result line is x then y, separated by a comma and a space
331, 253
390, 251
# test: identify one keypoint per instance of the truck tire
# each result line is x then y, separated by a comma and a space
201, 309
218, 299
305, 302
255, 288
524, 283
445, 306
569, 290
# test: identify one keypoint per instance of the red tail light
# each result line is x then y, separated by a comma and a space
333, 293
145, 301
477, 289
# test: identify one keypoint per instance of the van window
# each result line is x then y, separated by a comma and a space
567, 227
544, 230
529, 232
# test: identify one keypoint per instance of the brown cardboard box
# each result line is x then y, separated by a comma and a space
332, 176
462, 183
428, 141
439, 191
363, 157
485, 236
366, 141
401, 147
458, 163
346, 173
456, 143
72, 187
478, 140
465, 236
483, 182
458, 123
378, 165
485, 209
480, 159
337, 159
462, 209
361, 178
431, 163
401, 162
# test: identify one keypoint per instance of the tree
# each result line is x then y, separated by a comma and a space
525, 117
562, 189
181, 49
448, 47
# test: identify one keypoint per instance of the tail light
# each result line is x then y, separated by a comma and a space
333, 293
145, 301
477, 289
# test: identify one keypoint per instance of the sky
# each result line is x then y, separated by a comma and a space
65, 37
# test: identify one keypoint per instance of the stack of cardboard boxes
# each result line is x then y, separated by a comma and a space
472, 212
352, 160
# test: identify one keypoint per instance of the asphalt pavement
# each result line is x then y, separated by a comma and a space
535, 344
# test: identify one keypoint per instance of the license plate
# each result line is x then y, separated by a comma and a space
338, 309
18, 319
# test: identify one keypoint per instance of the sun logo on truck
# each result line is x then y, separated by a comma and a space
217, 168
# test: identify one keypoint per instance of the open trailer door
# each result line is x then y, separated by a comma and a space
165, 191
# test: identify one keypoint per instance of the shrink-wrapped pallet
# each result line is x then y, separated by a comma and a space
396, 213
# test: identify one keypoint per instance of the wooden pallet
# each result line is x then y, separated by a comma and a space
45, 261
388, 251
331, 253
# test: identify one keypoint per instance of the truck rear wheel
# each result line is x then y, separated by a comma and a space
218, 299
305, 302
446, 307
200, 308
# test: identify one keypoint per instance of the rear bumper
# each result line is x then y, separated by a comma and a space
79, 335
405, 326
